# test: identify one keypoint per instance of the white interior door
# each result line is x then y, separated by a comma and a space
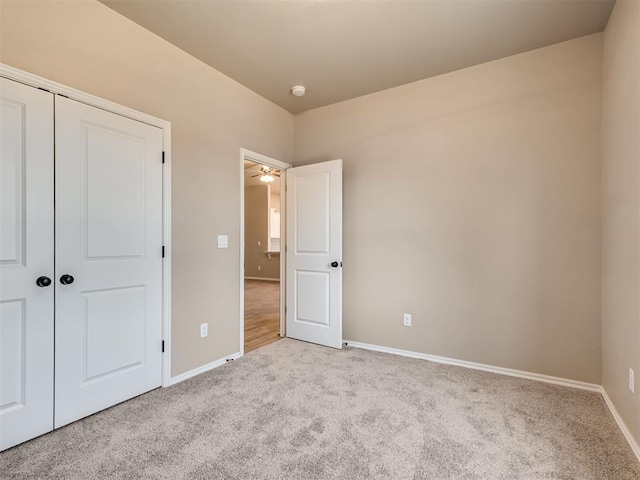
26, 253
314, 253
109, 245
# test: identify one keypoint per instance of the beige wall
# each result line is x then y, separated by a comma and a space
472, 201
621, 211
86, 45
256, 221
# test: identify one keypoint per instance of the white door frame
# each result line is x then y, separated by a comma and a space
58, 89
282, 166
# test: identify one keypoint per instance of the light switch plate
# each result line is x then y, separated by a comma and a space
223, 241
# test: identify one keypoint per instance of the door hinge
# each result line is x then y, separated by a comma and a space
162, 346
163, 157
163, 251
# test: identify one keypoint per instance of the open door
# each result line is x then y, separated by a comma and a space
314, 253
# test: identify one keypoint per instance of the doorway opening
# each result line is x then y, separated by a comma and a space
262, 258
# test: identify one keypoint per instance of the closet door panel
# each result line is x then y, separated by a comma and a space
109, 239
26, 253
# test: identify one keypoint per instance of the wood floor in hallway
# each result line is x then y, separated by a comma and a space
261, 314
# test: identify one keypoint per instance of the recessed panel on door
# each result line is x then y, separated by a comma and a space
12, 177
26, 262
114, 317
109, 259
115, 224
313, 215
312, 297
13, 326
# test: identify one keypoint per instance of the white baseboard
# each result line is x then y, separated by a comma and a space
625, 431
205, 368
565, 382
263, 278
592, 387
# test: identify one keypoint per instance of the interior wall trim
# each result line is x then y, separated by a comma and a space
564, 382
256, 157
204, 368
623, 426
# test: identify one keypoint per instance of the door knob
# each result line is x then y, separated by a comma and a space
66, 279
43, 281
336, 264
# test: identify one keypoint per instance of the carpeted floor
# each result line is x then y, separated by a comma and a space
292, 410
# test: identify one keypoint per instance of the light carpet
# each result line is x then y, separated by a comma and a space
293, 410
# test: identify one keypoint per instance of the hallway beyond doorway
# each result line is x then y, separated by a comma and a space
261, 313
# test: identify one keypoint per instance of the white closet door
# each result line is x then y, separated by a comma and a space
109, 245
26, 253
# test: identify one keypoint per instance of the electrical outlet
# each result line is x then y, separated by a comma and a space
406, 319
259, 267
632, 381
223, 241
204, 330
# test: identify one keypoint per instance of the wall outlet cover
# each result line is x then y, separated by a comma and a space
223, 241
204, 330
406, 319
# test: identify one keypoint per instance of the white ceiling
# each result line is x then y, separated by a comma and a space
340, 49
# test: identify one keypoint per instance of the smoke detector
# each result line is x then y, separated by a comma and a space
298, 91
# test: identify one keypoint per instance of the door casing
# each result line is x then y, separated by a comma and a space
282, 166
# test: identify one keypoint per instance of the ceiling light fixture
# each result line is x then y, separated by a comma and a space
298, 91
267, 178
267, 174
